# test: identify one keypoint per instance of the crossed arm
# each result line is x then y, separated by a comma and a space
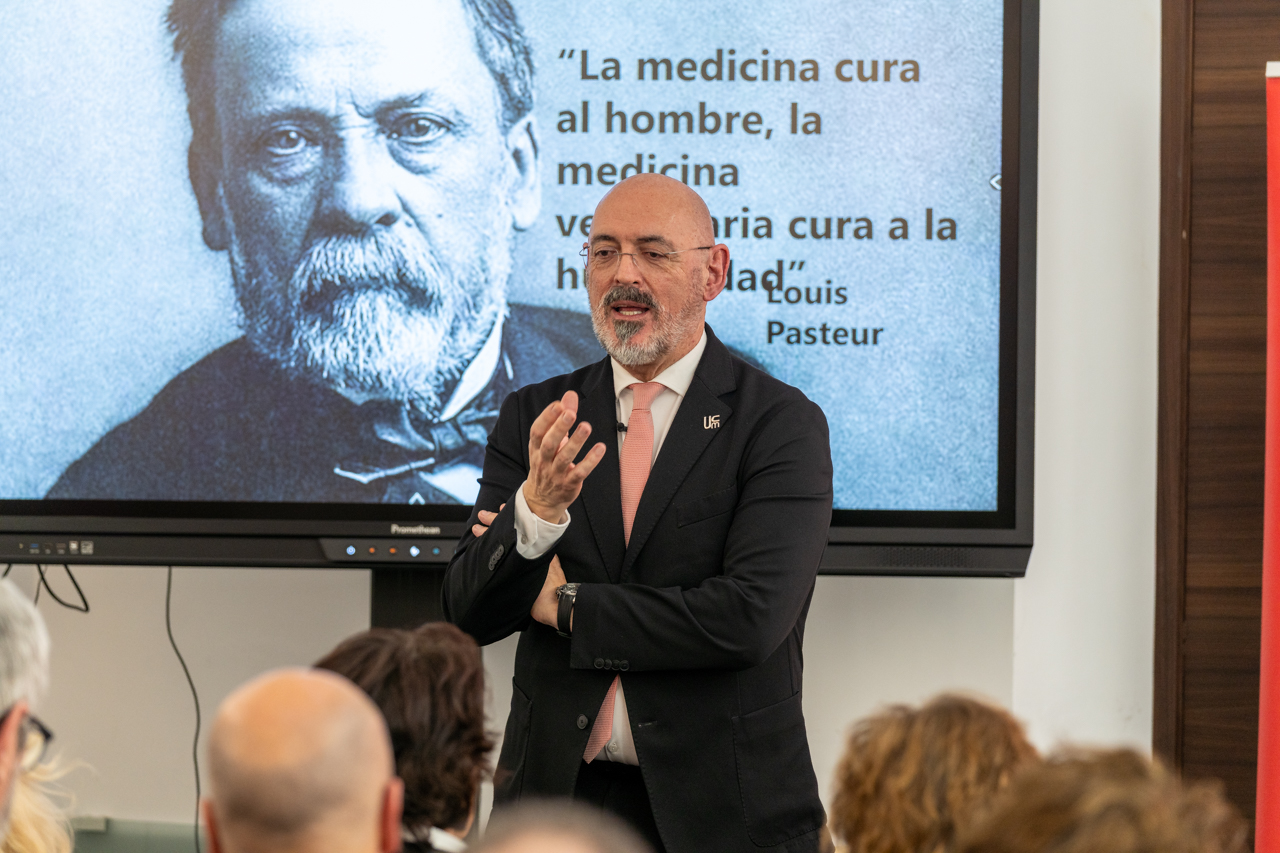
749, 601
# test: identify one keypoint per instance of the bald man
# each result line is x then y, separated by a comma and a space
652, 525
300, 761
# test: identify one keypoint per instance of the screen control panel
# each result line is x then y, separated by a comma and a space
386, 550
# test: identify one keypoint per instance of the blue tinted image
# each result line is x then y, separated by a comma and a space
196, 310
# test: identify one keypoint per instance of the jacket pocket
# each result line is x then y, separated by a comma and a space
775, 774
703, 508
508, 778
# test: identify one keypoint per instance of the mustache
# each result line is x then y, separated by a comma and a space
386, 262
627, 293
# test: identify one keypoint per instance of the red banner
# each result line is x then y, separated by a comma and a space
1268, 826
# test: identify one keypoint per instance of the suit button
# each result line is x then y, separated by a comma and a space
582, 721
625, 666
599, 663
608, 664
497, 557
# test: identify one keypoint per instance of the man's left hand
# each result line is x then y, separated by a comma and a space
486, 519
546, 608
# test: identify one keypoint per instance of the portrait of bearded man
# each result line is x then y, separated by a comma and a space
365, 167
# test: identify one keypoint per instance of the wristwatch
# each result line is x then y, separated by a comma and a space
567, 594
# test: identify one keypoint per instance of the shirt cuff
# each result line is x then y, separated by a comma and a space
535, 536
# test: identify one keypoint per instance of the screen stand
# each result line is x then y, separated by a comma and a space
405, 598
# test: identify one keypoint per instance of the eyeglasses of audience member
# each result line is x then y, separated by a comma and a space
429, 685
912, 778
1113, 801
33, 740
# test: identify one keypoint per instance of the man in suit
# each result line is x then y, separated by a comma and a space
365, 166
661, 577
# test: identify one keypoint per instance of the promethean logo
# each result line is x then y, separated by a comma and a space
416, 530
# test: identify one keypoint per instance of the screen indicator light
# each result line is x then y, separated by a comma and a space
414, 551
372, 550
351, 550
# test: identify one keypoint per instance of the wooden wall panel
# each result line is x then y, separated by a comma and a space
1209, 572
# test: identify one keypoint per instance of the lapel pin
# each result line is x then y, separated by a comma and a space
711, 422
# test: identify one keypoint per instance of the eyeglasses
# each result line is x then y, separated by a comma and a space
605, 259
33, 740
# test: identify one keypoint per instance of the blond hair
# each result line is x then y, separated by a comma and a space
911, 778
37, 824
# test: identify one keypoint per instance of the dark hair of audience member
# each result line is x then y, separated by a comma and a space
429, 685
1114, 801
912, 778
571, 825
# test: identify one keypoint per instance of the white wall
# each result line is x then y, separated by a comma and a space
1070, 646
1084, 615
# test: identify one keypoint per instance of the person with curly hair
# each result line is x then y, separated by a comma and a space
1113, 801
912, 778
429, 685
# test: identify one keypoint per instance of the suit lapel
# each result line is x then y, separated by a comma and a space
686, 440
601, 491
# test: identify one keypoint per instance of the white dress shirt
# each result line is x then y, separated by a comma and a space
536, 536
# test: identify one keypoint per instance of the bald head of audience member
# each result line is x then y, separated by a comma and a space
558, 826
653, 264
300, 760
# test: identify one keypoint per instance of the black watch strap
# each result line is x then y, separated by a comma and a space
568, 594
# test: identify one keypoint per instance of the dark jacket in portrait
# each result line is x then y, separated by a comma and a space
702, 613
237, 427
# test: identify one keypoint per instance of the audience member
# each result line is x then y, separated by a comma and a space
1115, 801
429, 685
558, 826
36, 823
911, 779
300, 761
24, 676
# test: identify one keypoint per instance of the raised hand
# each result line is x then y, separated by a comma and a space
555, 480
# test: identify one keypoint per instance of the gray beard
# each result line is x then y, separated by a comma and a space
668, 328
376, 317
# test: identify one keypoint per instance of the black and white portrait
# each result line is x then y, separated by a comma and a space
363, 169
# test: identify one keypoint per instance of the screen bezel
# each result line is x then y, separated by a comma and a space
1009, 525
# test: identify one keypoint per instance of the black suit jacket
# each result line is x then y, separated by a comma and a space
704, 611
237, 427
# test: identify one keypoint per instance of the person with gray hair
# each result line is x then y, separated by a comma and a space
300, 760
365, 167
24, 677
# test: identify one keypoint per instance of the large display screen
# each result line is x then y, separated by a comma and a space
305, 259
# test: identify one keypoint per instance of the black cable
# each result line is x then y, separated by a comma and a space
36, 598
195, 743
44, 581
8, 567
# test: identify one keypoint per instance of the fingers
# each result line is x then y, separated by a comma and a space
588, 462
486, 520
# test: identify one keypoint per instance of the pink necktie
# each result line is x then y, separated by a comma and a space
635, 460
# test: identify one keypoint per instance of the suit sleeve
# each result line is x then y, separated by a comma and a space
737, 618
489, 588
